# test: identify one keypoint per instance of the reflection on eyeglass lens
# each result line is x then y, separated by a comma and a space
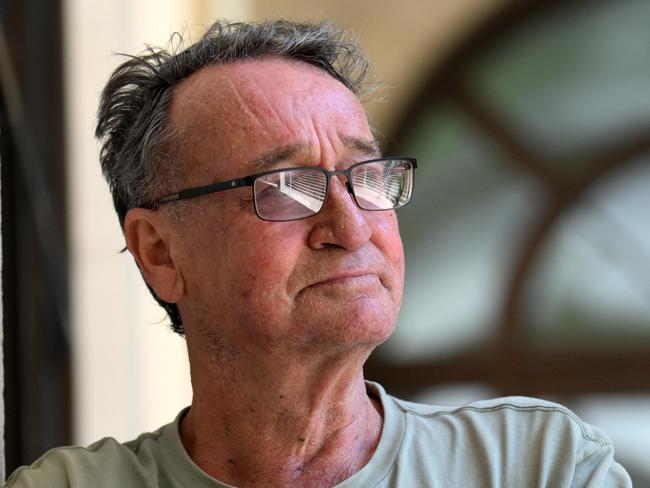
296, 194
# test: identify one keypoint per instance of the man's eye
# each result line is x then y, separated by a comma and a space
244, 201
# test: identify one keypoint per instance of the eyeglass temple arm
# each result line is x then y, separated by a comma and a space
203, 190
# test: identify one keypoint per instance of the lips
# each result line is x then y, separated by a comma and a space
347, 278
338, 270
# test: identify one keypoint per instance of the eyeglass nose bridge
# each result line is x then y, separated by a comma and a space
348, 178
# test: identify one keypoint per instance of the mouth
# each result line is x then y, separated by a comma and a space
348, 279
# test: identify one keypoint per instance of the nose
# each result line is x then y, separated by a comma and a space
341, 222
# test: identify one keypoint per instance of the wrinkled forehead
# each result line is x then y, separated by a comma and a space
236, 111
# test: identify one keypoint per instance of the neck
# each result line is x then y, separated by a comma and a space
281, 422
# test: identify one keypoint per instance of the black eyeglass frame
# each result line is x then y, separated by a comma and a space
250, 181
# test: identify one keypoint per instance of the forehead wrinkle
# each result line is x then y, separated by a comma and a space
271, 109
212, 103
245, 106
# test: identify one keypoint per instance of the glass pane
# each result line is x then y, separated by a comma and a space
460, 232
287, 195
590, 286
382, 185
574, 80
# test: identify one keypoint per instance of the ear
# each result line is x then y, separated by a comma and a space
148, 239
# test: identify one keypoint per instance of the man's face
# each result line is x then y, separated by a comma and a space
334, 279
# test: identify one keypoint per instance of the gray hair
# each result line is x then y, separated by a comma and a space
137, 154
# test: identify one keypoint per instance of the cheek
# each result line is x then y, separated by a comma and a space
389, 241
259, 294
265, 260
258, 274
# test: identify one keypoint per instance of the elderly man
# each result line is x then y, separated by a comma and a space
260, 212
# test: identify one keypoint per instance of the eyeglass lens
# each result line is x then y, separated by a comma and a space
296, 194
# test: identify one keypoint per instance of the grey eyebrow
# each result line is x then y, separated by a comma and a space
368, 147
277, 155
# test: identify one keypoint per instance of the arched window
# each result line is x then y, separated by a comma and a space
528, 240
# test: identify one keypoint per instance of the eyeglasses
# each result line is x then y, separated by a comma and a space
297, 193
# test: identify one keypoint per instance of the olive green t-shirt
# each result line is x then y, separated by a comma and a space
507, 442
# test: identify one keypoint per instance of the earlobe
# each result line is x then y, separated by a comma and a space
148, 240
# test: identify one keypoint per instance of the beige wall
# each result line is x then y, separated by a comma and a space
130, 371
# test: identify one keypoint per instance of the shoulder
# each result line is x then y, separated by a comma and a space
70, 465
518, 439
107, 462
507, 418
510, 412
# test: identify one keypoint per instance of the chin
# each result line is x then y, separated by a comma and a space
361, 323
344, 321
